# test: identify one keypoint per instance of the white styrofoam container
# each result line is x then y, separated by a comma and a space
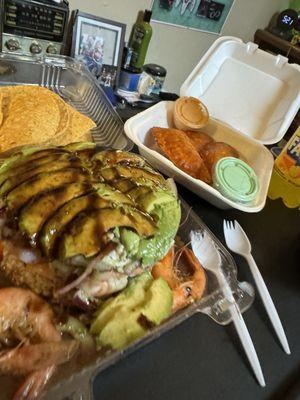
252, 97
251, 90
254, 153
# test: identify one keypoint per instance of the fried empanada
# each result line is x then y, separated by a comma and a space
199, 139
176, 145
213, 152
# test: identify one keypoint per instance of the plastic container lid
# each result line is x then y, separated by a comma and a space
235, 179
155, 70
190, 114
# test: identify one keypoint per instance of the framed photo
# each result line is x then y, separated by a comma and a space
99, 43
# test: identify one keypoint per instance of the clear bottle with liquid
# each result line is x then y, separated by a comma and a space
285, 181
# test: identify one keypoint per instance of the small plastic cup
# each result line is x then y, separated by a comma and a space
190, 114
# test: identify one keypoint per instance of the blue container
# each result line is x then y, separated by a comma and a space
129, 80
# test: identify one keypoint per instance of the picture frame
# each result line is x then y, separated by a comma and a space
98, 43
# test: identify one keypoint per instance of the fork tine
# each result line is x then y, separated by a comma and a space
239, 228
238, 225
232, 225
224, 225
241, 231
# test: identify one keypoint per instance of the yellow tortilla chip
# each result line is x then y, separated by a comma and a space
36, 115
78, 130
80, 124
31, 119
65, 116
1, 112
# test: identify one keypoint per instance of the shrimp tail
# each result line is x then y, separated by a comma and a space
34, 383
29, 358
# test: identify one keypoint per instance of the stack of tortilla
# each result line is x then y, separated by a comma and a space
36, 115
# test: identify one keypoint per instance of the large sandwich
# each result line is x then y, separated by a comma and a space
77, 221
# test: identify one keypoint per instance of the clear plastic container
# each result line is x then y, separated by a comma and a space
74, 381
74, 83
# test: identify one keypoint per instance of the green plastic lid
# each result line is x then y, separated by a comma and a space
235, 179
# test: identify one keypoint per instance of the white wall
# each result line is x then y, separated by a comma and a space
179, 49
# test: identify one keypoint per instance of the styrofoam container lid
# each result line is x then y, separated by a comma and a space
249, 89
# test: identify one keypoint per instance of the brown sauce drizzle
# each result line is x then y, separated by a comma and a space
75, 173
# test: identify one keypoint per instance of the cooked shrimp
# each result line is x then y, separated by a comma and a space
27, 318
164, 269
1, 251
24, 315
186, 279
34, 384
34, 357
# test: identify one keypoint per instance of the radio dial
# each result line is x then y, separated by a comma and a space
35, 48
12, 44
51, 49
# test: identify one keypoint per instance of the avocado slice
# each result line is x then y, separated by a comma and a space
13, 158
113, 157
27, 166
20, 195
155, 198
138, 191
28, 154
83, 150
85, 233
78, 146
58, 164
36, 212
120, 331
112, 194
118, 322
131, 172
86, 154
123, 185
165, 209
55, 225
158, 302
133, 296
130, 241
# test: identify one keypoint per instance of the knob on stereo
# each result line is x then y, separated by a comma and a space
35, 48
51, 49
12, 44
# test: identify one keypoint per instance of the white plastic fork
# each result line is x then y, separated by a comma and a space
209, 257
238, 242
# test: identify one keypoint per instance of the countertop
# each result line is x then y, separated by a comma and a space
202, 360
